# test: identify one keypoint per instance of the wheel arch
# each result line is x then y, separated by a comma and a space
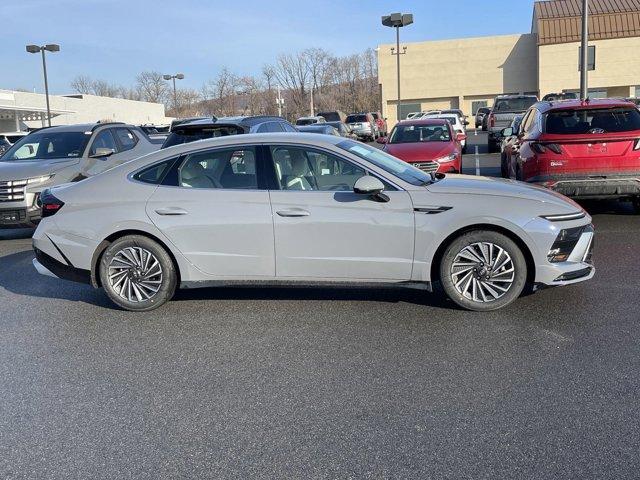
526, 251
97, 254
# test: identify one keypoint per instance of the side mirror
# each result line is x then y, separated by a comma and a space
369, 185
102, 152
382, 140
466, 122
460, 137
507, 132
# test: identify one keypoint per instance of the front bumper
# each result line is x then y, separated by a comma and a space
19, 217
592, 187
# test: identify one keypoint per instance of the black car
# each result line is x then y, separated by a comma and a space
204, 128
480, 115
335, 116
322, 128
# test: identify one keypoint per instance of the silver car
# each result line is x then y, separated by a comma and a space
56, 155
306, 209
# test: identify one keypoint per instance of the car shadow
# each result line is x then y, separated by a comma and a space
16, 233
607, 207
18, 276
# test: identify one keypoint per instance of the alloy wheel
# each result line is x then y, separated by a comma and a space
483, 272
135, 274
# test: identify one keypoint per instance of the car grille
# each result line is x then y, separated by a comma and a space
429, 167
12, 191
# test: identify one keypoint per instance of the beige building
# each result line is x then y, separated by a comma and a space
22, 110
468, 73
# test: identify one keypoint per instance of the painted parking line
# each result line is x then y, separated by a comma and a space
477, 162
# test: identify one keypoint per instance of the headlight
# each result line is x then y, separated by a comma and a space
42, 179
448, 158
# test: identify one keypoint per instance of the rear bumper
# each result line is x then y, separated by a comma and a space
592, 187
47, 265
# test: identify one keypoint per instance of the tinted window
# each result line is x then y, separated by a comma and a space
104, 139
47, 144
357, 118
601, 120
388, 163
375, 116
420, 133
186, 135
300, 168
330, 116
126, 138
287, 127
270, 127
519, 104
230, 168
155, 173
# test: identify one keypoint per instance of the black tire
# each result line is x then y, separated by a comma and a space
513, 290
464, 149
167, 277
504, 170
492, 147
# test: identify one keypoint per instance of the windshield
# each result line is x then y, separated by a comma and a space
392, 165
357, 118
46, 145
597, 120
420, 133
519, 104
187, 135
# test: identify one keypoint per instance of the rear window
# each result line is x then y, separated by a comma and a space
330, 116
187, 135
375, 116
356, 118
519, 104
600, 120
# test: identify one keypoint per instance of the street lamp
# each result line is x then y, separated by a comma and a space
51, 47
397, 20
584, 52
179, 76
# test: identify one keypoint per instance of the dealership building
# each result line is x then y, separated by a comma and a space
20, 111
468, 73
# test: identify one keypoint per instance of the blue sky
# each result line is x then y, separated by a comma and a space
114, 40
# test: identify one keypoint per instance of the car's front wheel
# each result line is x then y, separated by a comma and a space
483, 270
137, 273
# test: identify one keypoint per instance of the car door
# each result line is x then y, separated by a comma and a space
93, 165
215, 210
323, 230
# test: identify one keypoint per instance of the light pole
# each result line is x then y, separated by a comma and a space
178, 76
397, 20
50, 47
280, 102
584, 87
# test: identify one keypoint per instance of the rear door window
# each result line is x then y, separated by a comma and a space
233, 168
127, 139
601, 120
104, 139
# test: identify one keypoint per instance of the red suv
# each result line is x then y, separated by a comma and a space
587, 149
430, 145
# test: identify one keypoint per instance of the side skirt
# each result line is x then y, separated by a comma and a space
426, 286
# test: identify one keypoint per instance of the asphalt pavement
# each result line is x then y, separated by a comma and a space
324, 383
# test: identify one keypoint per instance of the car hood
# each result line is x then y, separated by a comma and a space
476, 185
23, 169
414, 152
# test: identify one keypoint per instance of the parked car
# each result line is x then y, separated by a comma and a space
551, 97
333, 116
480, 114
510, 145
221, 127
13, 137
430, 145
459, 125
321, 128
635, 101
4, 145
237, 210
363, 125
343, 130
582, 149
381, 122
412, 115
180, 121
56, 155
505, 108
310, 120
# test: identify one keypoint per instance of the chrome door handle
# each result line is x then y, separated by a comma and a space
294, 212
171, 211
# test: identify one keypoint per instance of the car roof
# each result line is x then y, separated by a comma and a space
582, 105
79, 127
424, 121
237, 120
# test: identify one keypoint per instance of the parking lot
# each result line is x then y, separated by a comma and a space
324, 383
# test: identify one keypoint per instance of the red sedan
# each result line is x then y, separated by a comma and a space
430, 145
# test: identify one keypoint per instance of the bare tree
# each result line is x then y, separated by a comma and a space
82, 84
152, 87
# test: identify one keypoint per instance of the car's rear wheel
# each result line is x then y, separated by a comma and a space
137, 273
483, 270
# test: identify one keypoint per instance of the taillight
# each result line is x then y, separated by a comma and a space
636, 146
50, 204
492, 120
545, 147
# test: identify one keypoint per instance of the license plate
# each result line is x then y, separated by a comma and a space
9, 217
